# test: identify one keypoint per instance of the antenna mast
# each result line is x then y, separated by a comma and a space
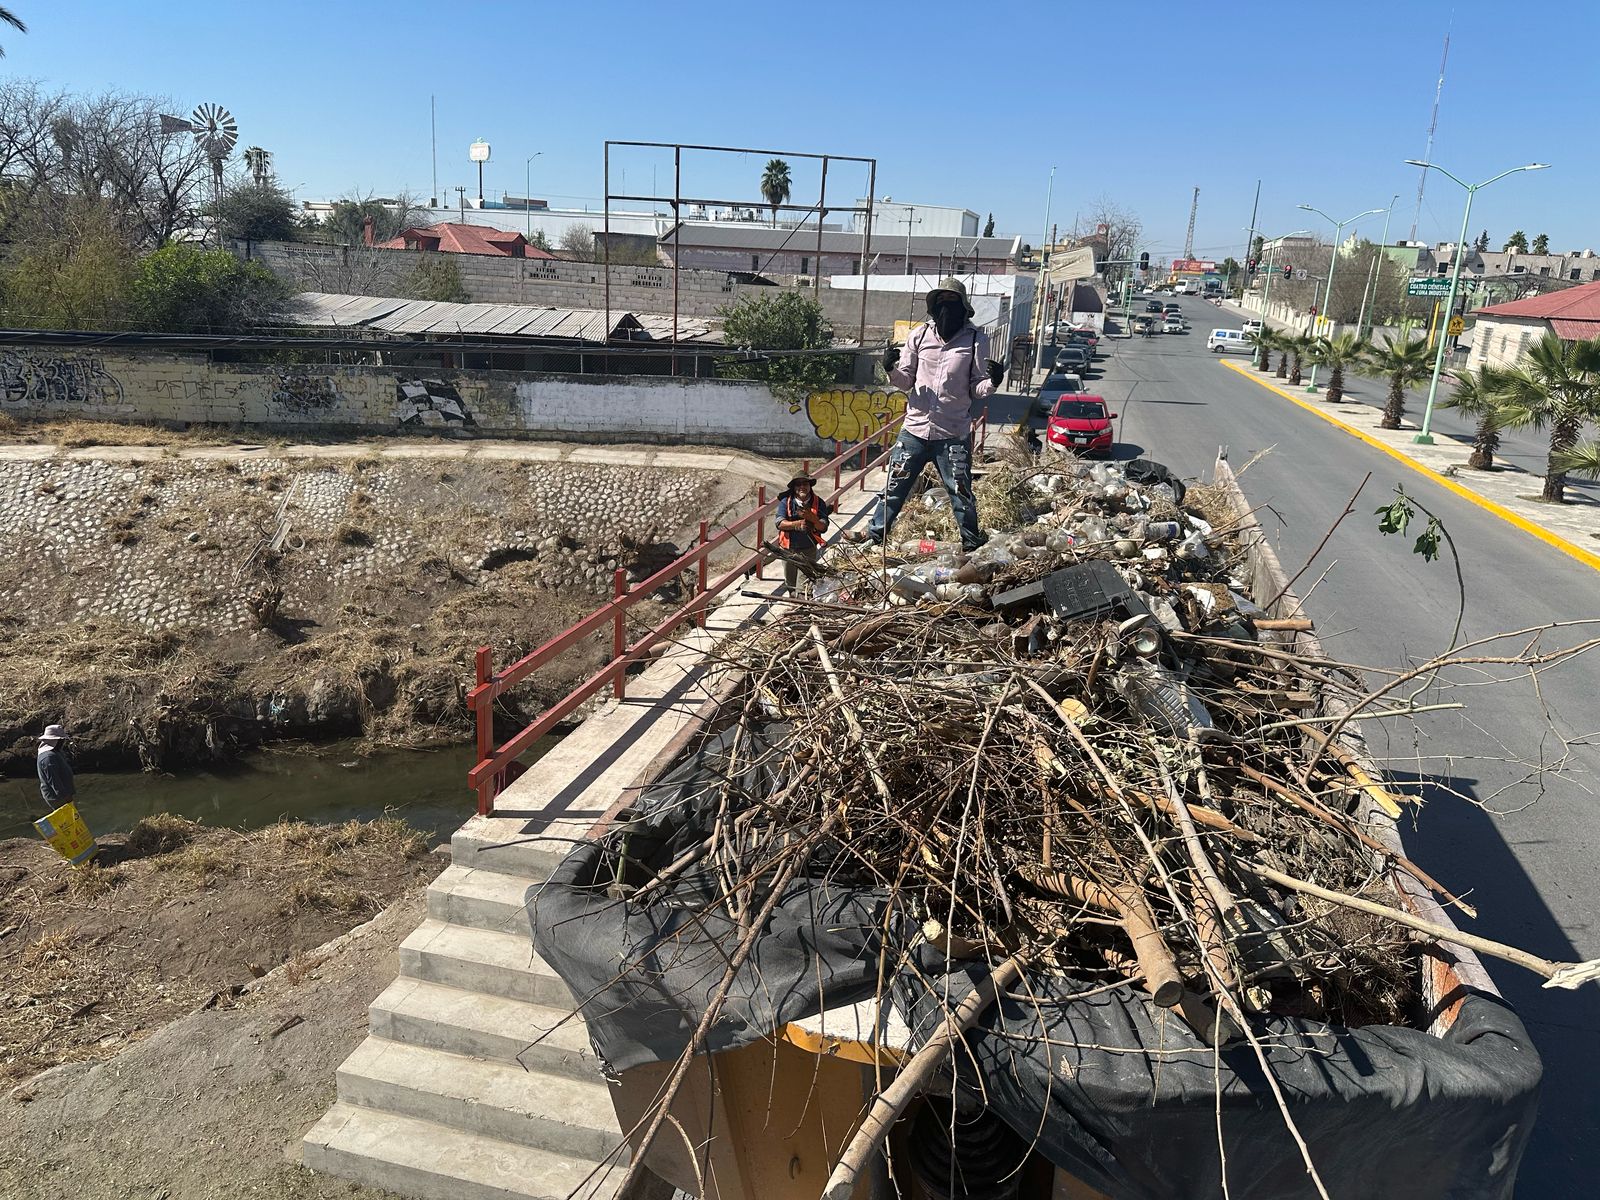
1427, 155
1188, 239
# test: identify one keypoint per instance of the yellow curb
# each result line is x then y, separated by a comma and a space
1467, 494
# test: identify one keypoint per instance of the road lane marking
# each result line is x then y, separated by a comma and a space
1505, 514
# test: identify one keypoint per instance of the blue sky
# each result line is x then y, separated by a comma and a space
966, 104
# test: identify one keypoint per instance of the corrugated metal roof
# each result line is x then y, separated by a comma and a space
439, 318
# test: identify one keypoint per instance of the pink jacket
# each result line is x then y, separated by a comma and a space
942, 379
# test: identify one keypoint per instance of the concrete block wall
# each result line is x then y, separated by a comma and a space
158, 387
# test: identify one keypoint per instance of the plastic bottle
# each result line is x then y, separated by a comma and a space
1161, 698
1194, 547
1060, 541
1162, 531
908, 585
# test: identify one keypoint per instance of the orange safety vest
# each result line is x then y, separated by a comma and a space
814, 507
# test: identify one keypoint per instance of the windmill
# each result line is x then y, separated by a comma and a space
214, 131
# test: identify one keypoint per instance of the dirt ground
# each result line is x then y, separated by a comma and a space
180, 1010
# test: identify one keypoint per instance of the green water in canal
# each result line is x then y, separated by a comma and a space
322, 784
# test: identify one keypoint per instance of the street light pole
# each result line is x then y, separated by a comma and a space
1266, 297
527, 195
1424, 436
1333, 261
1044, 264
1371, 290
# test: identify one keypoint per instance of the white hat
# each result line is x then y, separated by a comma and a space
54, 733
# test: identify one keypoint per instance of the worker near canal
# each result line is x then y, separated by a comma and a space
55, 772
802, 522
944, 370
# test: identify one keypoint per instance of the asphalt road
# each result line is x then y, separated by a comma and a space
1517, 750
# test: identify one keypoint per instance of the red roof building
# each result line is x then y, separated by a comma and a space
451, 238
1504, 331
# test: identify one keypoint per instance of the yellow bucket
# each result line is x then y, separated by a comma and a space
64, 829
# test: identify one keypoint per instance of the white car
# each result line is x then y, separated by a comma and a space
1253, 325
1223, 340
1174, 324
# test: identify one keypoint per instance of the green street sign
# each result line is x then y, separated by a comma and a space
1431, 288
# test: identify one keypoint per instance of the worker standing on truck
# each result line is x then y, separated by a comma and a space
944, 370
802, 522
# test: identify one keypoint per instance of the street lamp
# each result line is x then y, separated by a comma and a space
1333, 259
1044, 265
478, 152
1424, 437
527, 195
1371, 290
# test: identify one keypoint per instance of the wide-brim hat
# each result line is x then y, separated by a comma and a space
950, 284
803, 478
53, 733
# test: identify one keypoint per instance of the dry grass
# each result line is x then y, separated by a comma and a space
200, 864
160, 834
91, 881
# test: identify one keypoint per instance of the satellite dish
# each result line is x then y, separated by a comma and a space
214, 128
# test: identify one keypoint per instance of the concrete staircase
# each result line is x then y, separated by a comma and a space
476, 1080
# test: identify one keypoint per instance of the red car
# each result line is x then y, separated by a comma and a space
1080, 424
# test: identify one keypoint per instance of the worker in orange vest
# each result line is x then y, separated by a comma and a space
802, 522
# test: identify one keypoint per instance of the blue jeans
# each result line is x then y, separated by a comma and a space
953, 459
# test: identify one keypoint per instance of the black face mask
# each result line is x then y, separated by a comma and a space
948, 317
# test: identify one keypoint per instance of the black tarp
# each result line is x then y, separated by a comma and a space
1119, 1093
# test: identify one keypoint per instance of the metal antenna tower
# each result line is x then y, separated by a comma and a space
1188, 238
1427, 155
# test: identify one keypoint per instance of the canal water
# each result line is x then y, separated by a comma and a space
322, 784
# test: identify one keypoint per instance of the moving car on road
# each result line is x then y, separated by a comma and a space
1222, 340
1080, 424
1172, 306
1154, 306
1175, 324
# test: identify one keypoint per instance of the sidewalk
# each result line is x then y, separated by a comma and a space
1508, 492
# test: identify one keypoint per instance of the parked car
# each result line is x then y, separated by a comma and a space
1085, 337
1253, 325
1074, 357
1155, 306
1223, 340
1059, 384
1174, 324
1080, 424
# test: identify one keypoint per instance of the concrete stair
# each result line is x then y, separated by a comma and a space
476, 1080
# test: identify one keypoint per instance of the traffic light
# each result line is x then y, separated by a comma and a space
1288, 272
1144, 261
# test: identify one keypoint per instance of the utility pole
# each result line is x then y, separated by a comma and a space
1250, 245
911, 270
1044, 264
1188, 238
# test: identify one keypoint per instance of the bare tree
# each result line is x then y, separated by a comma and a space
1123, 229
56, 147
577, 240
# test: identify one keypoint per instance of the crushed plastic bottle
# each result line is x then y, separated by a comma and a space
1194, 547
1163, 699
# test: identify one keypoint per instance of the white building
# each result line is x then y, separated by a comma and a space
893, 218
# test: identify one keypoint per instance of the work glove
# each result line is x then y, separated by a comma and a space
996, 372
891, 357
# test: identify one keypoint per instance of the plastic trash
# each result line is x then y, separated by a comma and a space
1194, 547
1162, 698
1162, 531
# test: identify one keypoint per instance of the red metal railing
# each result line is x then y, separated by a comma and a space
487, 778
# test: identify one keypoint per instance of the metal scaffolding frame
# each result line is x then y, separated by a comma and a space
677, 199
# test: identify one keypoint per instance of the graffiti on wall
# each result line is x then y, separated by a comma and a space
308, 395
56, 380
846, 415
430, 402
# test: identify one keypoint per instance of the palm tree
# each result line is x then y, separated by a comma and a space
7, 17
1299, 345
1264, 340
1280, 343
1583, 459
1557, 384
259, 163
1403, 362
775, 185
1474, 395
1335, 353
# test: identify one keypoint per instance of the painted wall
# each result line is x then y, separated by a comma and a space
48, 383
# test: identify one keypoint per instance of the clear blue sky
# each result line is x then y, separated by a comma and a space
966, 104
